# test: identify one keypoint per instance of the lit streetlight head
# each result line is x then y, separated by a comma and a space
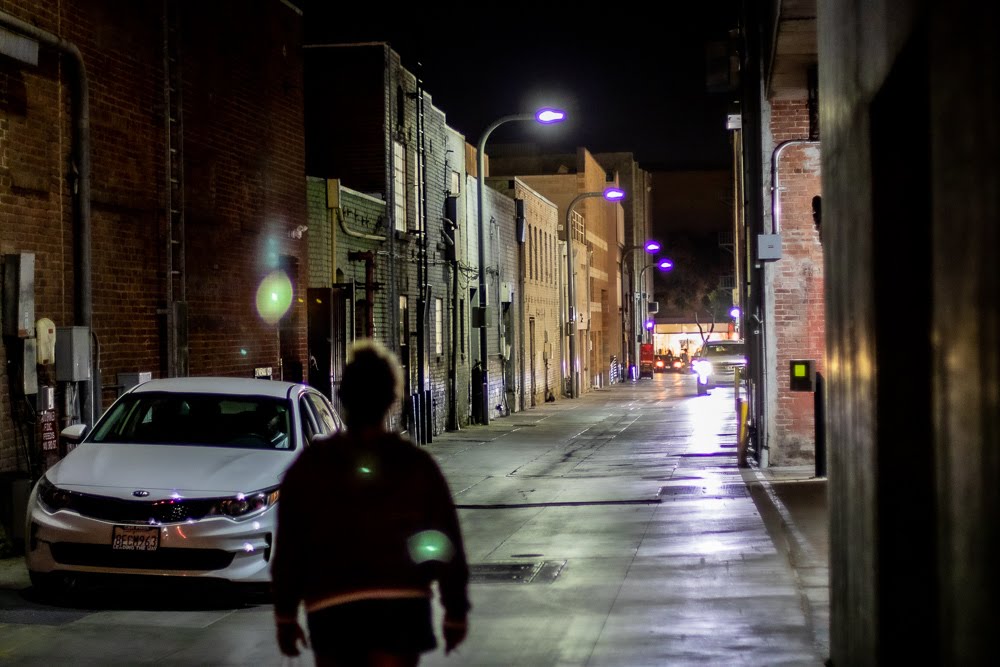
652, 246
614, 194
664, 264
734, 312
548, 115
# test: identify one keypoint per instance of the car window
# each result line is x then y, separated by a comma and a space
721, 350
327, 420
308, 419
253, 422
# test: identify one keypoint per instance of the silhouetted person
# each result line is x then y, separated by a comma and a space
366, 523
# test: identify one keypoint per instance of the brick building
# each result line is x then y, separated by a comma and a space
597, 227
541, 265
637, 228
795, 290
372, 127
104, 261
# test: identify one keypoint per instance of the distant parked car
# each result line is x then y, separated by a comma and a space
661, 364
716, 363
179, 477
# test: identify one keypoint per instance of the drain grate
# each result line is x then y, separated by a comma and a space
715, 491
539, 572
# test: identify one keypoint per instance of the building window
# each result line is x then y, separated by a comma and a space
404, 320
399, 185
456, 183
461, 324
531, 249
438, 326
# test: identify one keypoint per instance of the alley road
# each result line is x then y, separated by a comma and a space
611, 530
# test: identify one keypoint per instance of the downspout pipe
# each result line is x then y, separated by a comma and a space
83, 307
453, 421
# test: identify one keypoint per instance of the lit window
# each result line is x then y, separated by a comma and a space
399, 184
404, 320
438, 326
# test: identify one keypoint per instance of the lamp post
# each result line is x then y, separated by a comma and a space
612, 195
651, 246
663, 265
545, 116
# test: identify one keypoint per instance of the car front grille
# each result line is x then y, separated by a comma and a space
154, 512
99, 555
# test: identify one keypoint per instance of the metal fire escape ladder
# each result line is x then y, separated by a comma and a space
176, 279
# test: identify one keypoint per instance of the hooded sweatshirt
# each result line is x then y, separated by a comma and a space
366, 518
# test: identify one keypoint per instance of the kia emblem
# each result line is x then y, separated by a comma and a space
140, 493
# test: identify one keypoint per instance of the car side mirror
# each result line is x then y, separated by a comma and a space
74, 432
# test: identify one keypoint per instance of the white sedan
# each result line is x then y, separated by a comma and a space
179, 478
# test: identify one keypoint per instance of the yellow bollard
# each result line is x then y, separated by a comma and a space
741, 433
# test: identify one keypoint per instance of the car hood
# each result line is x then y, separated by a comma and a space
165, 470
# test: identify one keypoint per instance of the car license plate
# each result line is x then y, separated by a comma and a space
135, 538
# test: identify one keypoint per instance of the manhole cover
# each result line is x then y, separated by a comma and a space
540, 572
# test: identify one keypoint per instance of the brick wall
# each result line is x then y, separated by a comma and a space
798, 283
542, 292
243, 149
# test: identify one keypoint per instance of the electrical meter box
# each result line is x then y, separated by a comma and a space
768, 247
19, 295
72, 354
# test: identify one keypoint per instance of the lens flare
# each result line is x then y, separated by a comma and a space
430, 545
274, 297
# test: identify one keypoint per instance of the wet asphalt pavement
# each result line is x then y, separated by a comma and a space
615, 529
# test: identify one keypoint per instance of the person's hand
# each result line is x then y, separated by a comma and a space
290, 635
454, 631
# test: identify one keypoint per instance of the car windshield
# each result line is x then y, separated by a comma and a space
253, 422
722, 349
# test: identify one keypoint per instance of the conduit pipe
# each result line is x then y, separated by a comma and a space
775, 190
83, 307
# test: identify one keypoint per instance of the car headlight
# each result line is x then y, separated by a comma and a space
702, 367
244, 505
52, 497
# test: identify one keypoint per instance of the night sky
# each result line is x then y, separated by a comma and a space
633, 85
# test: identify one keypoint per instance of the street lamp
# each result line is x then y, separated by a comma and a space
663, 265
651, 246
545, 116
610, 194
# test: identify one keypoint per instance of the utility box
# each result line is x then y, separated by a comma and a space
768, 247
128, 380
19, 295
72, 354
29, 368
